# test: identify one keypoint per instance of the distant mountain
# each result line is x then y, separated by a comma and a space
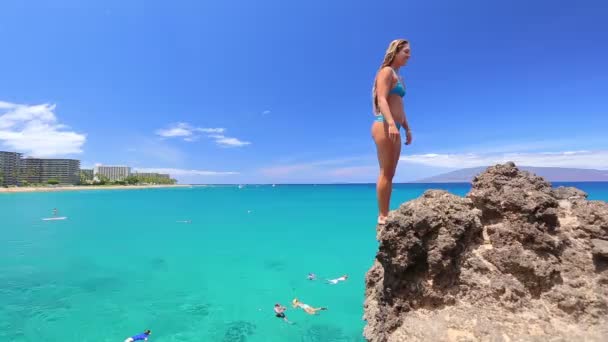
552, 174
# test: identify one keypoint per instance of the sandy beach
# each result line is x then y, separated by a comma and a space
88, 187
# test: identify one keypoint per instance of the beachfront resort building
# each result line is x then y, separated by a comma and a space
112, 173
16, 170
41, 171
9, 168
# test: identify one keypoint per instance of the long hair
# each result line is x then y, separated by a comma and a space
393, 48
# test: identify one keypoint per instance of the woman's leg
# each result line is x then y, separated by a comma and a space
396, 155
313, 311
388, 155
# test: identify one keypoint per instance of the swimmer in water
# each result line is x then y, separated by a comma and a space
337, 280
279, 312
309, 309
312, 276
141, 337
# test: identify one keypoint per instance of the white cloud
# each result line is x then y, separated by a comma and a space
6, 105
529, 145
574, 159
35, 131
180, 129
188, 133
228, 142
353, 169
308, 167
211, 130
266, 112
186, 172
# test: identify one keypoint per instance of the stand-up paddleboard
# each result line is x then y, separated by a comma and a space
54, 218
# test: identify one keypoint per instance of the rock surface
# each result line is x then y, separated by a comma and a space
514, 260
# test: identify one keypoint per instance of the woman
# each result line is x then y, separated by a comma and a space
309, 309
388, 92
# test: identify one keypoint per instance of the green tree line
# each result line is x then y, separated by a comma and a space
132, 180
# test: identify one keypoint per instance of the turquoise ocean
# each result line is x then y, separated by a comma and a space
121, 262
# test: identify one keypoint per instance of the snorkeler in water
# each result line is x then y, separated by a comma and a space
309, 309
337, 280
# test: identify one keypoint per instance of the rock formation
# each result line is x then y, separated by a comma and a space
514, 260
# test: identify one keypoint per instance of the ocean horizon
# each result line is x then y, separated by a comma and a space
554, 184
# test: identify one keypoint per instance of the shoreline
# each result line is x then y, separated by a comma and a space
89, 187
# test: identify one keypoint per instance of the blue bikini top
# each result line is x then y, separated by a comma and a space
398, 89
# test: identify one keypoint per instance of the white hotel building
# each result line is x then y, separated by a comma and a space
113, 173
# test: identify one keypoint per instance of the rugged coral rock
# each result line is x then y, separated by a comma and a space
514, 260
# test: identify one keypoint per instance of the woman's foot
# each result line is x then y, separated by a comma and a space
382, 219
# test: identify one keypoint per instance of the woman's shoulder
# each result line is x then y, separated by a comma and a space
386, 74
387, 70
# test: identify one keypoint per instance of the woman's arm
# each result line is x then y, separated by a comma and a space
408, 131
404, 123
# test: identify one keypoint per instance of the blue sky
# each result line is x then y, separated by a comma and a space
279, 91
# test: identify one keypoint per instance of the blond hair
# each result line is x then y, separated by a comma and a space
393, 48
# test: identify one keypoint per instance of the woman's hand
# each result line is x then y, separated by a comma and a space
408, 136
393, 132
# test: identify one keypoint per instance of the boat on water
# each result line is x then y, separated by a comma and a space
58, 218
55, 217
